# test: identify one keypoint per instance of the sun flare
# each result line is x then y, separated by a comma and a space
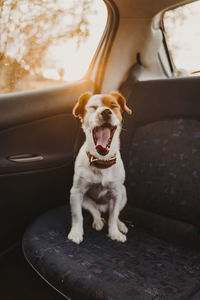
71, 61
48, 43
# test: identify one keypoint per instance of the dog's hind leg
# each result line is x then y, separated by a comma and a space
121, 226
114, 224
91, 206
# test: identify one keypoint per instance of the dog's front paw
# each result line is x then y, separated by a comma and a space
98, 224
117, 236
75, 236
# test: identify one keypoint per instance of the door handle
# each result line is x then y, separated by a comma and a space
25, 158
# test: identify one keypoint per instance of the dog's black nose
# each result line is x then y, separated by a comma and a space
106, 114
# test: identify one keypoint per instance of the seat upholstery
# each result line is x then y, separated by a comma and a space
163, 168
163, 179
163, 165
143, 268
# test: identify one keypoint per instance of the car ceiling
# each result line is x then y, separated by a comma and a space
144, 8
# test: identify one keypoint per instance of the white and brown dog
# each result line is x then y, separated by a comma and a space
98, 183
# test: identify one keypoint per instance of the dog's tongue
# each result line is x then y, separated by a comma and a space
102, 137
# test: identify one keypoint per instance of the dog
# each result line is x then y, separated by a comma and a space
98, 183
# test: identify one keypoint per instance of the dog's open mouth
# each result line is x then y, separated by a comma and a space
103, 136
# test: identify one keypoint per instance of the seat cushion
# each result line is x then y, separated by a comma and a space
143, 268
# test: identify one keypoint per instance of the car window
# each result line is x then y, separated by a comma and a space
47, 43
182, 28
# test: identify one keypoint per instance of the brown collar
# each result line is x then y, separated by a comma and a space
101, 164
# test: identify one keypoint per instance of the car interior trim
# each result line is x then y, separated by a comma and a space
25, 158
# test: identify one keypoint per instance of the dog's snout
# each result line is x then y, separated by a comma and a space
106, 113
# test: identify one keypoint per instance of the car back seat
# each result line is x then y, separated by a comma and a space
163, 165
160, 260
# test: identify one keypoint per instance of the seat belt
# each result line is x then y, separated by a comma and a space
131, 78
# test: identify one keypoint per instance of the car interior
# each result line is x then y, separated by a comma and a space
160, 148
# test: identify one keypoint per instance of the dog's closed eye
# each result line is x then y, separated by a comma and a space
114, 106
93, 107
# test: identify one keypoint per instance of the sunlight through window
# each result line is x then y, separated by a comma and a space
47, 43
182, 27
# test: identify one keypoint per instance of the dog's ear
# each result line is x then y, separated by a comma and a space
122, 102
79, 108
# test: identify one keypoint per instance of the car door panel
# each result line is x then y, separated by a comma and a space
19, 108
37, 137
45, 143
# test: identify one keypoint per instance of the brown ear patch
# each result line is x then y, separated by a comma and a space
79, 110
122, 102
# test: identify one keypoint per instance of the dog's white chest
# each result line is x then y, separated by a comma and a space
99, 193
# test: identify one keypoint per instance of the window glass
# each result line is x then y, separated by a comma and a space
182, 27
44, 43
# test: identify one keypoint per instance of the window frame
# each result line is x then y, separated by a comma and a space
98, 64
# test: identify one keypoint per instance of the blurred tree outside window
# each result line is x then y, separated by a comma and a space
182, 28
45, 43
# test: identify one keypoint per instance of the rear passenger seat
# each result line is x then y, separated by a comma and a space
160, 260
